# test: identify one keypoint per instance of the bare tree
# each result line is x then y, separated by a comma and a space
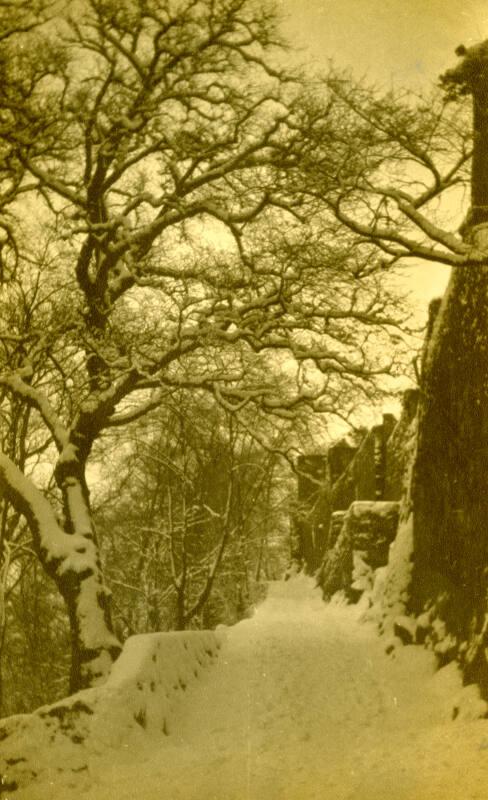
391, 159
160, 226
200, 495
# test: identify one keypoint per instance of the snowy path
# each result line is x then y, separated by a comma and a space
303, 703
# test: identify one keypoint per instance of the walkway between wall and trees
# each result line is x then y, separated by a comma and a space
304, 702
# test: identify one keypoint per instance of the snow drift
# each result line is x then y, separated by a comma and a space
139, 695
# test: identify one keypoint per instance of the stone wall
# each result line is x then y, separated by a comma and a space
367, 530
329, 483
364, 503
398, 449
449, 488
365, 476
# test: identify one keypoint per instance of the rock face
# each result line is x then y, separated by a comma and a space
449, 488
434, 589
368, 529
364, 502
449, 498
373, 527
365, 473
376, 470
336, 571
329, 483
399, 448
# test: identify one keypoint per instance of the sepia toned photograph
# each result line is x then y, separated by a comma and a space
243, 400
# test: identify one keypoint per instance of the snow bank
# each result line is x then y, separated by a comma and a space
304, 704
139, 696
397, 578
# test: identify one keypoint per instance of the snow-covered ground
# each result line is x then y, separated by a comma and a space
303, 703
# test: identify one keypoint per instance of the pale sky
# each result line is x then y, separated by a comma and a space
411, 40
393, 43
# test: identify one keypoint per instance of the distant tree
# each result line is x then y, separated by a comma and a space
34, 651
192, 532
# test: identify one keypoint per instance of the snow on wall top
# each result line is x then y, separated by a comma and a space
380, 508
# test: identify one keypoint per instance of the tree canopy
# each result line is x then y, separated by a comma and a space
174, 209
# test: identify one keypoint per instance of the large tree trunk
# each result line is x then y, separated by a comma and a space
93, 644
71, 559
94, 647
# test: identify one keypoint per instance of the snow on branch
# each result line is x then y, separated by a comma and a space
50, 540
34, 397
